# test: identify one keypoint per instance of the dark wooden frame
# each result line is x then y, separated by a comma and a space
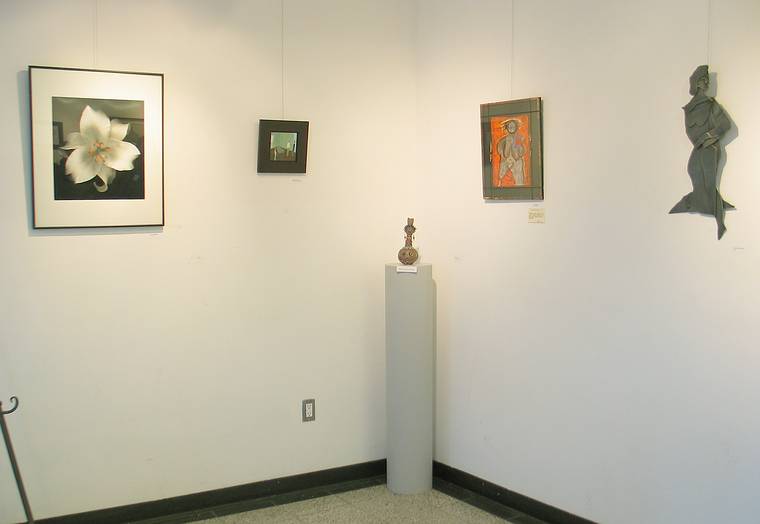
35, 224
266, 128
531, 107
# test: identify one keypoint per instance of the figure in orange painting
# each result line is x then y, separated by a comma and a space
513, 149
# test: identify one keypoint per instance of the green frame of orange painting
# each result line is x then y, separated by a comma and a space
512, 146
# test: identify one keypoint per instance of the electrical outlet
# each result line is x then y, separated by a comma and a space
307, 410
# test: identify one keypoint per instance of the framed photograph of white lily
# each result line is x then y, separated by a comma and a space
97, 147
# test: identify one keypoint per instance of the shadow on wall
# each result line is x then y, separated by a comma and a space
25, 137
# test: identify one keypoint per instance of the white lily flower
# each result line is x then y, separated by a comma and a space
99, 149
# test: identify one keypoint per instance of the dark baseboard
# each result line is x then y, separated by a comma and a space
269, 490
506, 497
223, 496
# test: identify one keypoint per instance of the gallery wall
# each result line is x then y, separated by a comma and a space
158, 362
604, 362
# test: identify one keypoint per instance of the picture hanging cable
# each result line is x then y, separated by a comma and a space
282, 51
709, 21
95, 34
512, 50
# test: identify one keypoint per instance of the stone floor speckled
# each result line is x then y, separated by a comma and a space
359, 502
375, 504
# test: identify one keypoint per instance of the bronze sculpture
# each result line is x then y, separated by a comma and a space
407, 255
706, 123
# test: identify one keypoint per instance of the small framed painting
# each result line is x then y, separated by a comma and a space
97, 147
283, 146
512, 150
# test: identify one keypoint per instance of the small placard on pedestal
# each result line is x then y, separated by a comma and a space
406, 269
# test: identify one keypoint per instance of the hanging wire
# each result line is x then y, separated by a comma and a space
512, 51
282, 51
95, 34
709, 19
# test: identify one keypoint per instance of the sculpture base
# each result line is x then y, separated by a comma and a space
409, 327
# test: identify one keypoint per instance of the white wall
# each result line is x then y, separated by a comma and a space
605, 362
158, 362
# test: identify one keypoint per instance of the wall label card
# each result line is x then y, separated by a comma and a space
536, 215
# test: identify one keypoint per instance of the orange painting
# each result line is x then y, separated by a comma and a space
510, 150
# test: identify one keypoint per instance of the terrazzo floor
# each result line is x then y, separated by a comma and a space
362, 502
376, 504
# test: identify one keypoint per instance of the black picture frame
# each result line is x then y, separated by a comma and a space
290, 158
524, 142
57, 96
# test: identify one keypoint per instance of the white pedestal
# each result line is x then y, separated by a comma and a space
410, 356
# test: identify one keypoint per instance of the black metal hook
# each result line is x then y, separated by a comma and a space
12, 457
14, 401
